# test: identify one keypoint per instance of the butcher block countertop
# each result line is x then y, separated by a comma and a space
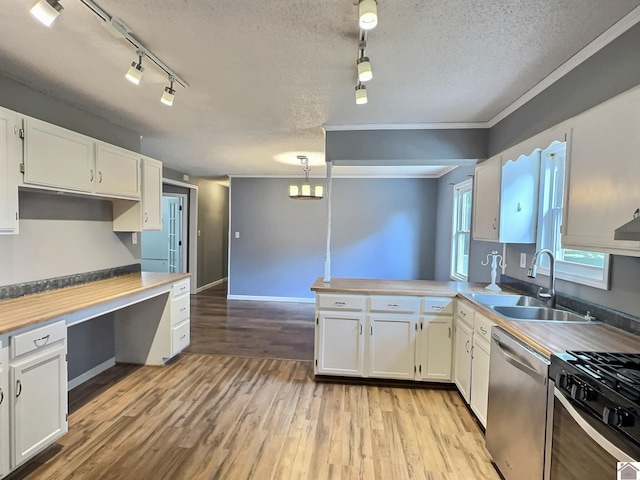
17, 313
545, 337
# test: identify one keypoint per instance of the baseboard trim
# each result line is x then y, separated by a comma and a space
271, 299
98, 369
209, 285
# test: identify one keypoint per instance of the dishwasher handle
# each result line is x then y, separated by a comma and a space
516, 362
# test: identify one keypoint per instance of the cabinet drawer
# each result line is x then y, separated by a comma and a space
393, 303
180, 337
38, 338
465, 312
180, 309
435, 305
482, 326
181, 287
341, 302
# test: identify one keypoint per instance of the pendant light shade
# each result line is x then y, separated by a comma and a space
46, 11
368, 14
364, 69
134, 74
169, 94
361, 94
305, 191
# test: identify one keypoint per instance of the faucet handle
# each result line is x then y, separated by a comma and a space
543, 293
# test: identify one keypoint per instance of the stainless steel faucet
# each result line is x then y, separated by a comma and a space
550, 294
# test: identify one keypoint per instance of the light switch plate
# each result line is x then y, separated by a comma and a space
134, 238
523, 260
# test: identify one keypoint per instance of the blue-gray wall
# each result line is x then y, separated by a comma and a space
382, 228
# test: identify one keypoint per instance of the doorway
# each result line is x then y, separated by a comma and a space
165, 250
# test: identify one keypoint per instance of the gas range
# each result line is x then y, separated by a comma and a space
607, 385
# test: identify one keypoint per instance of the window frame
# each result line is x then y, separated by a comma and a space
459, 190
597, 277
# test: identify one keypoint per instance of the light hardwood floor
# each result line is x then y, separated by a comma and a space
212, 416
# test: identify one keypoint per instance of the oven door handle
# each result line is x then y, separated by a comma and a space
590, 431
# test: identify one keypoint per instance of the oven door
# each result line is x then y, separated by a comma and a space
580, 445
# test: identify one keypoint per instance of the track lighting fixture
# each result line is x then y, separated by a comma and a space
46, 11
361, 94
134, 74
169, 93
368, 14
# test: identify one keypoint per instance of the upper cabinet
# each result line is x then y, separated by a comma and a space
505, 202
603, 168
59, 159
9, 159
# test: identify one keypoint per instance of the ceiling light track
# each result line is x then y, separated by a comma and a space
367, 19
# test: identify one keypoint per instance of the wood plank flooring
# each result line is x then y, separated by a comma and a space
234, 417
249, 328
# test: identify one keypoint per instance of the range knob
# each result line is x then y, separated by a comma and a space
580, 392
616, 417
562, 381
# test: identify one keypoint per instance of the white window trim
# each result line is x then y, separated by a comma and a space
581, 274
465, 185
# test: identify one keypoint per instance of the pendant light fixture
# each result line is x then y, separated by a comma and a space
305, 191
134, 74
368, 14
169, 94
46, 11
361, 94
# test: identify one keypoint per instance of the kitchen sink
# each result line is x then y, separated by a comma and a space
540, 314
493, 299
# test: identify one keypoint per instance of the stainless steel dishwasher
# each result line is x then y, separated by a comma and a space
517, 410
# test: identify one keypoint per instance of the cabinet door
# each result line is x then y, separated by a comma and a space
9, 153
434, 348
486, 199
39, 400
462, 366
117, 172
392, 346
340, 344
4, 411
603, 167
57, 158
151, 194
480, 380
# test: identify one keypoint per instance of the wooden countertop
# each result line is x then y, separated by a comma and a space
17, 313
545, 337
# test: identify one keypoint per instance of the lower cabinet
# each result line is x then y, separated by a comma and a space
391, 352
480, 379
462, 370
38, 390
434, 346
340, 344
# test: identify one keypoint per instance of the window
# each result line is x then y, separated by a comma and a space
587, 268
461, 230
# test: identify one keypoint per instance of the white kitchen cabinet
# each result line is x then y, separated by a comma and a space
434, 340
117, 172
145, 215
38, 392
391, 346
505, 199
9, 173
5, 432
480, 378
602, 171
154, 331
340, 344
462, 361
57, 158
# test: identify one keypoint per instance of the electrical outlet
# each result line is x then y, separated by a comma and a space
237, 234
523, 260
134, 238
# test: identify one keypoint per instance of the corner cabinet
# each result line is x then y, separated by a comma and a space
505, 199
9, 160
602, 172
147, 214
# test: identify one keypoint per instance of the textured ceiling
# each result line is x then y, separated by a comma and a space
265, 76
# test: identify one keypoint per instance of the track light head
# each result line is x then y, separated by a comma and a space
361, 94
364, 69
134, 74
368, 14
46, 11
169, 94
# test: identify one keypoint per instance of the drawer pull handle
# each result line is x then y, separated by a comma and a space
482, 329
392, 305
437, 307
41, 342
18, 388
339, 304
